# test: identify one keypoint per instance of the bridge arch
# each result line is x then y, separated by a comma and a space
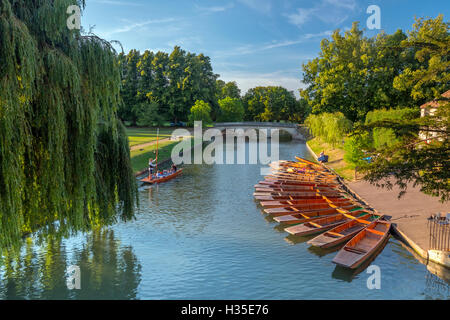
292, 128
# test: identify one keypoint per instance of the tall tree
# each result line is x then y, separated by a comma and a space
425, 163
64, 155
354, 74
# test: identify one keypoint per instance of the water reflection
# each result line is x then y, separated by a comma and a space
108, 270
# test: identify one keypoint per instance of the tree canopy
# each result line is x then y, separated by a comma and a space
423, 162
64, 156
160, 86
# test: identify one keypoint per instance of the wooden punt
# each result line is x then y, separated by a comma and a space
363, 245
300, 178
293, 210
292, 187
343, 232
319, 225
297, 193
301, 197
287, 189
286, 203
148, 180
307, 206
305, 216
297, 183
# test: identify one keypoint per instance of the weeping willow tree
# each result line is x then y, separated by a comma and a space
64, 157
330, 127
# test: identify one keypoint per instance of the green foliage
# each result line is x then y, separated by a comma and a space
227, 89
272, 104
164, 85
200, 111
386, 137
356, 148
64, 157
354, 74
410, 159
430, 76
231, 110
330, 127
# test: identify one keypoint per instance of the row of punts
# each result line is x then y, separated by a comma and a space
306, 199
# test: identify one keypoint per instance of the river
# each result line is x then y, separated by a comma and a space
202, 236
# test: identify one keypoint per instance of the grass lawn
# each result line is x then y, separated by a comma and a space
143, 135
139, 158
335, 158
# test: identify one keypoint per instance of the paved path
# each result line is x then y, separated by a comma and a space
410, 213
143, 145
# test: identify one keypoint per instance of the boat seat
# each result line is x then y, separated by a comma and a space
335, 234
315, 225
376, 232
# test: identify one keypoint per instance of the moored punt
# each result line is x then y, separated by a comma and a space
297, 193
304, 216
286, 203
311, 196
293, 187
319, 225
287, 189
343, 232
297, 183
307, 206
363, 245
291, 177
292, 210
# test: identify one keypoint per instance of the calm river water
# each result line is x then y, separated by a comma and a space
202, 236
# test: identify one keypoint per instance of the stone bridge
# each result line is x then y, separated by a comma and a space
297, 132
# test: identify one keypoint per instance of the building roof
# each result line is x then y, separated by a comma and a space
436, 103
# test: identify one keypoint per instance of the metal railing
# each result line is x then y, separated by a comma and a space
439, 228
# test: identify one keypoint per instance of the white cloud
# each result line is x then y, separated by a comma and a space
136, 25
262, 6
327, 11
215, 8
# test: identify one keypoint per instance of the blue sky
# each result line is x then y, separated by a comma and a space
253, 42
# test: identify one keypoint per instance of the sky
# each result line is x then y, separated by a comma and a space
252, 42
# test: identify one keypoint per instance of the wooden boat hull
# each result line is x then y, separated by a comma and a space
286, 203
288, 197
277, 212
304, 216
299, 208
319, 225
363, 245
343, 232
296, 194
162, 179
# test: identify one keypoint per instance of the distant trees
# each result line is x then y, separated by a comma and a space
273, 104
159, 86
231, 110
200, 111
227, 89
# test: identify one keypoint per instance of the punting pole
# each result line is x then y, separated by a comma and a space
157, 138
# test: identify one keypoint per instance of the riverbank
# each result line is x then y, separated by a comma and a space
408, 214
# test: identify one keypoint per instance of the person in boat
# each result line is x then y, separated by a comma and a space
151, 166
174, 168
159, 174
